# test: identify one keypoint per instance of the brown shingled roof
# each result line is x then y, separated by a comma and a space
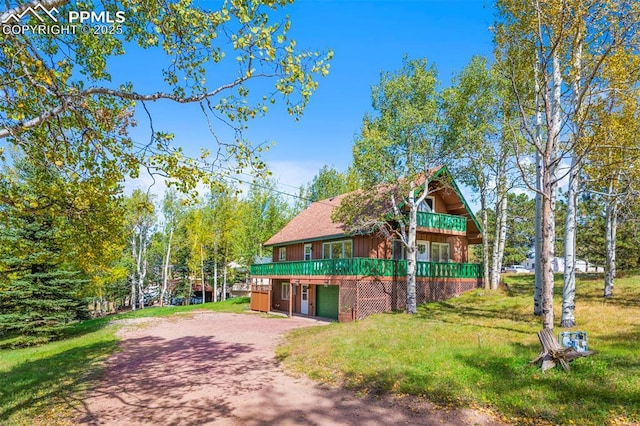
312, 223
315, 221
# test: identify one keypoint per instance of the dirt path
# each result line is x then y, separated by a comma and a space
214, 368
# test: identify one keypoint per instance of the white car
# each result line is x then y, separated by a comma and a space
515, 269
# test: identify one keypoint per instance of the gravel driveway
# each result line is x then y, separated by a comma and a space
220, 369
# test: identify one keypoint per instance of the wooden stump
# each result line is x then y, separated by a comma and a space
553, 354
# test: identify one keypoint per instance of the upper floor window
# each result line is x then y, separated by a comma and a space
307, 252
282, 254
337, 249
398, 251
427, 205
440, 252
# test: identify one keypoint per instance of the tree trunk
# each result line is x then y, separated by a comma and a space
548, 200
224, 273
568, 318
502, 234
499, 236
537, 265
204, 287
224, 282
215, 278
165, 270
411, 307
132, 300
142, 275
485, 241
132, 277
569, 286
610, 243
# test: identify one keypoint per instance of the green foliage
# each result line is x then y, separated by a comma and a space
475, 351
42, 287
328, 182
591, 238
397, 145
401, 140
261, 214
69, 110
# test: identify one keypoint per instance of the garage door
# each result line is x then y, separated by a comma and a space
327, 301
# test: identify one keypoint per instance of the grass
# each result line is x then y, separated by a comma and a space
41, 385
475, 350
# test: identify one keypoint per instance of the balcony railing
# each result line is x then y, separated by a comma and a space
442, 221
367, 267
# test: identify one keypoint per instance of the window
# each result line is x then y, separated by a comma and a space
282, 253
284, 291
440, 252
337, 249
307, 252
422, 251
427, 205
398, 251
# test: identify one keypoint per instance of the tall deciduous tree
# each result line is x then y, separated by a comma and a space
539, 44
397, 150
141, 220
478, 133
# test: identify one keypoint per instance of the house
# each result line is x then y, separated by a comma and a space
318, 269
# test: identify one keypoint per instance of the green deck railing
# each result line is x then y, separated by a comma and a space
442, 221
367, 267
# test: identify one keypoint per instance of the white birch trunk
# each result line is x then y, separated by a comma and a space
411, 304
132, 277
610, 243
548, 201
224, 282
132, 280
142, 273
537, 287
537, 266
502, 234
215, 279
485, 241
569, 285
568, 318
165, 270
202, 273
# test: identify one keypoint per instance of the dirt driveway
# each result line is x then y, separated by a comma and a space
218, 368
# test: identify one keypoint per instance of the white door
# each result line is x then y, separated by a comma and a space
304, 301
422, 248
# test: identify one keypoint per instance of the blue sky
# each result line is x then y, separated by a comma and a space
367, 37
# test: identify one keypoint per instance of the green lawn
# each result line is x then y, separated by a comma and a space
40, 385
475, 350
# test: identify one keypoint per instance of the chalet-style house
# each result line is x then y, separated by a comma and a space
319, 270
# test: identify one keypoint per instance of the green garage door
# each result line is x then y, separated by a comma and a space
327, 301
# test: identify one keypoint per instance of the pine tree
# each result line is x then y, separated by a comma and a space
39, 295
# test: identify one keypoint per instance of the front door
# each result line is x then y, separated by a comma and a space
304, 301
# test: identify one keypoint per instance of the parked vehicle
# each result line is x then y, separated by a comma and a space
515, 269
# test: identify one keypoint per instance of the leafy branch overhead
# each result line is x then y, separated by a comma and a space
59, 101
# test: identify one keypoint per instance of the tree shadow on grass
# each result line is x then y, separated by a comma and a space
467, 315
586, 395
31, 385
